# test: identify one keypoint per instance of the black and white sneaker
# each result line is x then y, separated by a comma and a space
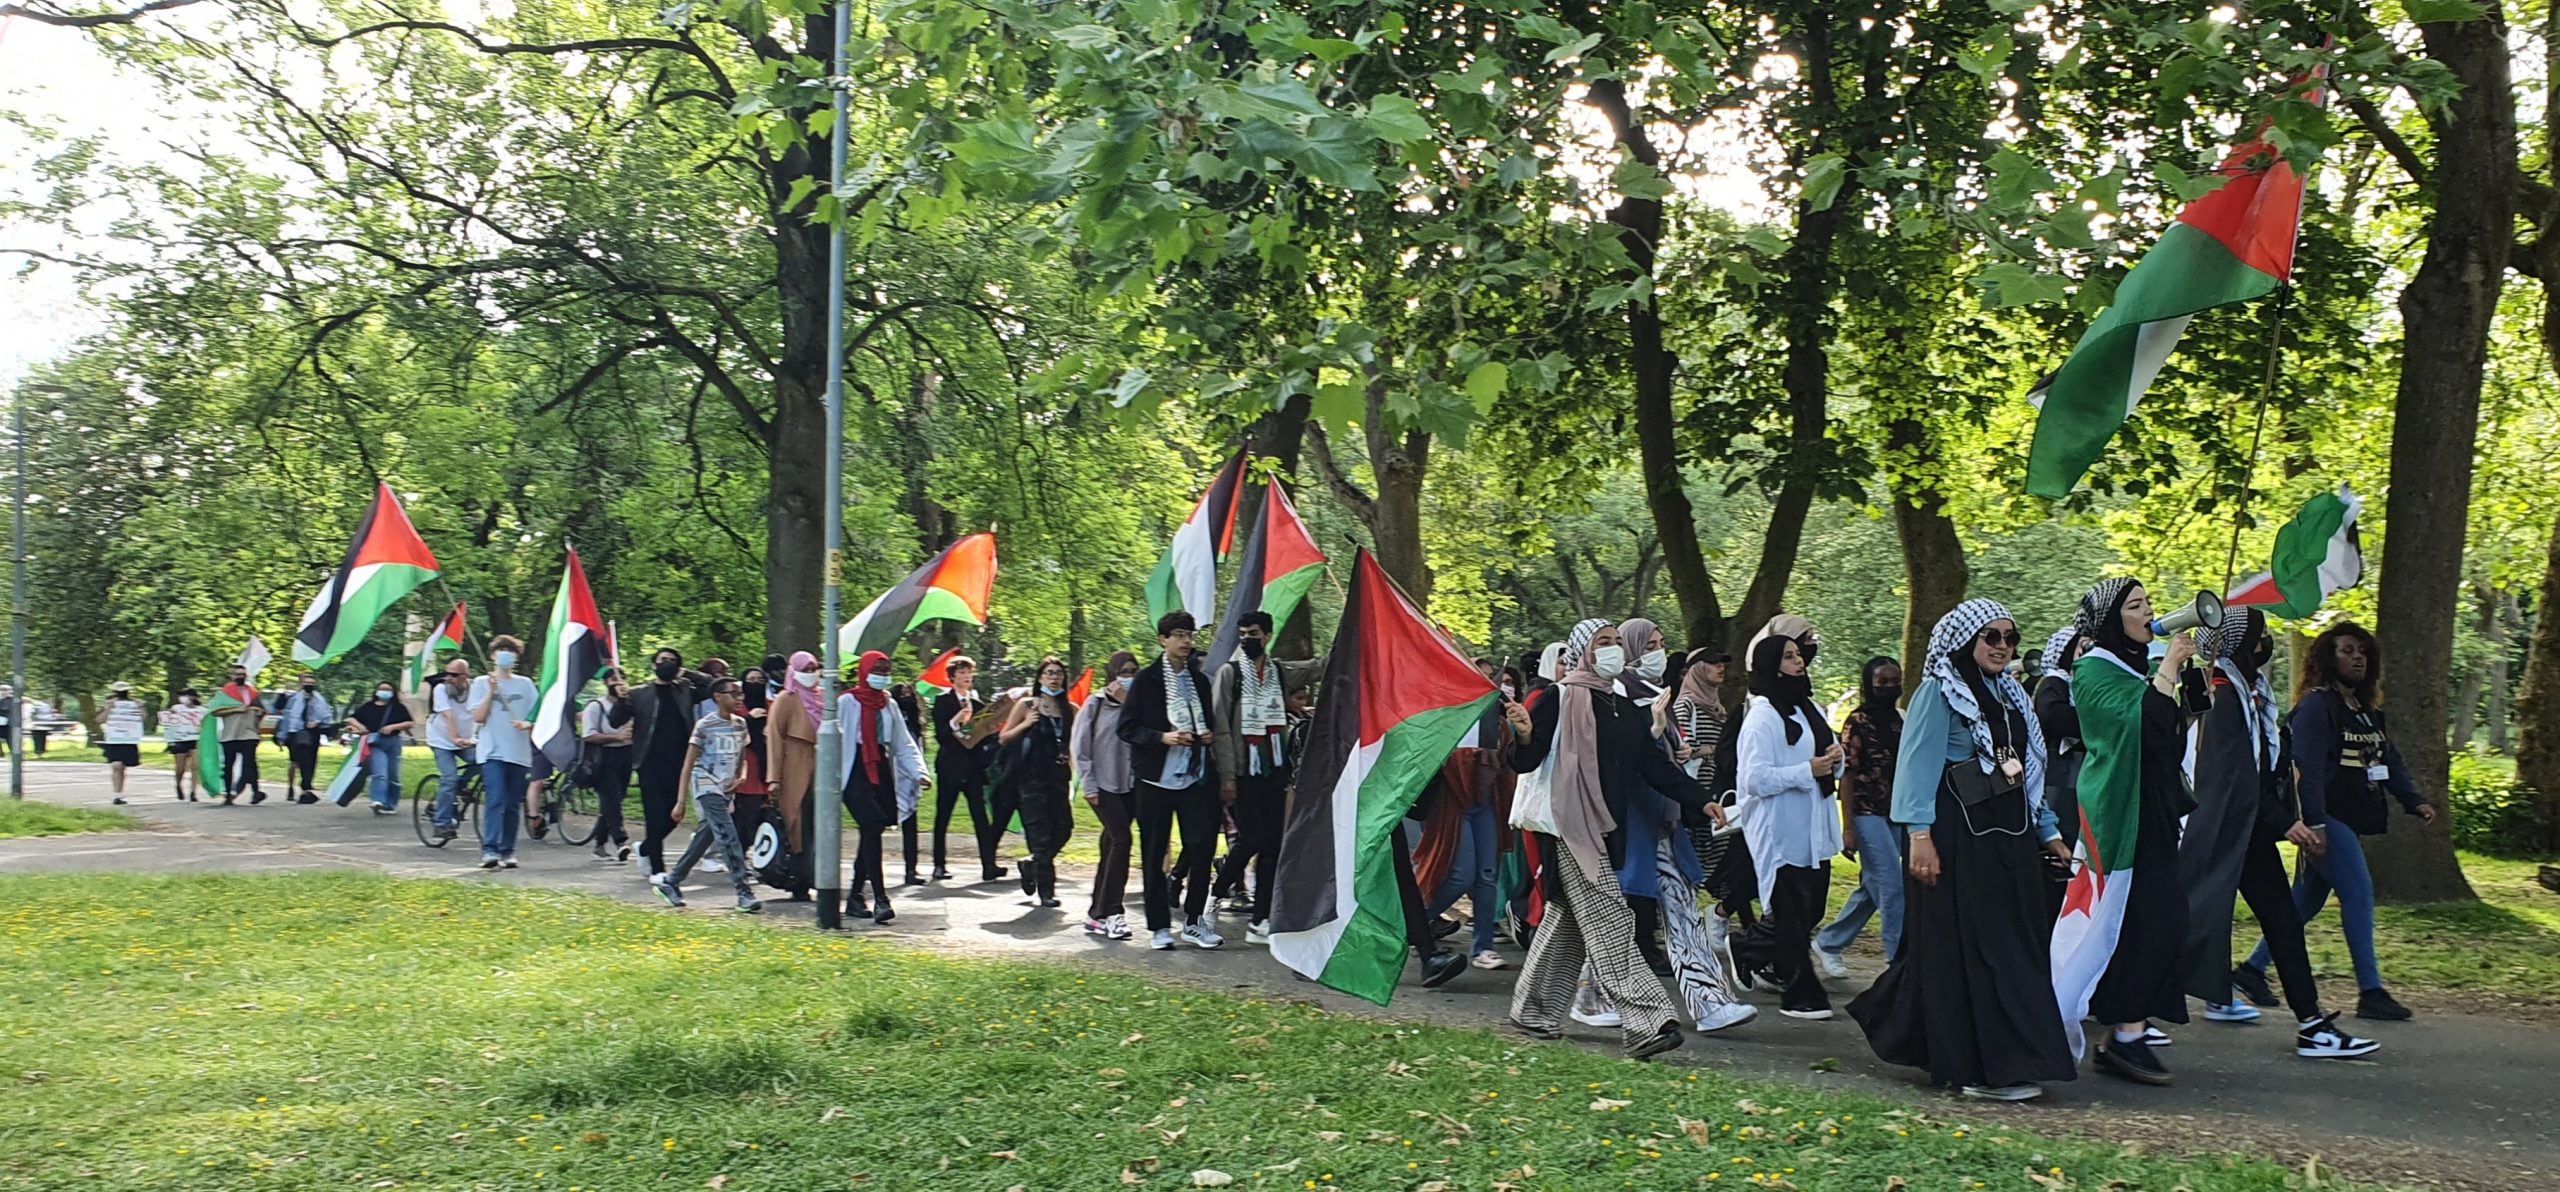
2153, 1036
2320, 1039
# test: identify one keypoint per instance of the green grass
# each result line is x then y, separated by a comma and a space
27, 818
336, 1031
2507, 945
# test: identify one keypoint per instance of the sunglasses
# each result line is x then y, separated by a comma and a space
1993, 637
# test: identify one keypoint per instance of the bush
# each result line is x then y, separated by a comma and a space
2491, 813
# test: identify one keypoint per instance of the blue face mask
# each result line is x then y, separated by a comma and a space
504, 658
384, 696
1052, 689
879, 682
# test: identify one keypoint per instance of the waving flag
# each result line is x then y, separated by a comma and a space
2230, 246
2108, 695
386, 561
1280, 563
1187, 576
253, 657
2318, 555
936, 678
447, 636
1397, 697
953, 586
208, 738
1083, 690
573, 654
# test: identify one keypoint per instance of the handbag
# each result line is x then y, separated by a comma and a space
1533, 805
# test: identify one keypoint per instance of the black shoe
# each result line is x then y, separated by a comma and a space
1440, 968
914, 880
941, 874
883, 914
857, 907
2251, 981
2132, 1061
230, 800
308, 797
1050, 904
1029, 879
994, 873
1443, 928
2321, 1039
119, 800
1665, 1041
256, 797
1536, 1032
2378, 1004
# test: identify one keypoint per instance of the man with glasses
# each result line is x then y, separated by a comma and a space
1249, 712
1167, 726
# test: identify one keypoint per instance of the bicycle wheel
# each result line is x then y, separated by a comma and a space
573, 811
466, 806
422, 812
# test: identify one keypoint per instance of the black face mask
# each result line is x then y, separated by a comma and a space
1253, 647
1888, 695
667, 670
311, 687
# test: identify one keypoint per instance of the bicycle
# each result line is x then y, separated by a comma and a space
466, 807
572, 809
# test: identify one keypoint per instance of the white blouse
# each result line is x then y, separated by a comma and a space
1786, 817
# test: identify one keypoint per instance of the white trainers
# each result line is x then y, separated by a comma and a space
2005, 1092
1728, 1015
1120, 927
1163, 941
713, 865
1833, 966
2153, 1036
1199, 934
1603, 1018
2320, 1039
1489, 959
1259, 932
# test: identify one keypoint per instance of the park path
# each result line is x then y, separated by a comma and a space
2452, 1100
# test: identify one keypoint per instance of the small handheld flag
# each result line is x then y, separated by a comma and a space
448, 636
253, 657
572, 656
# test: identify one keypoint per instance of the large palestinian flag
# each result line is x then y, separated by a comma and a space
2318, 555
1396, 698
350, 779
2229, 246
386, 561
1280, 563
208, 738
573, 654
448, 636
1187, 576
953, 586
2108, 695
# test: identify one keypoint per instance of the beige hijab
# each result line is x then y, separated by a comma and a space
1583, 821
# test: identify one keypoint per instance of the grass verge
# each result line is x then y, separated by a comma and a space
20, 817
358, 1032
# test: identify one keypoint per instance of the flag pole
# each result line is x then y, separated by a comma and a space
2249, 471
826, 849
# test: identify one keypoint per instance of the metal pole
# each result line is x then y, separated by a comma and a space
826, 851
18, 605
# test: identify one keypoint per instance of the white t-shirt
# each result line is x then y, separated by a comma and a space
441, 699
500, 739
124, 722
180, 724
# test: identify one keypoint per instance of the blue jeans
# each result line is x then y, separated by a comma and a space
452, 766
384, 765
2342, 870
504, 783
1471, 873
1879, 887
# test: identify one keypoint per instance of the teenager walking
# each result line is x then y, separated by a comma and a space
1102, 764
713, 764
1166, 725
501, 717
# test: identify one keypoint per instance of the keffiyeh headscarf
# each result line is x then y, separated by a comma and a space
2239, 646
1582, 814
1967, 687
2102, 619
2057, 651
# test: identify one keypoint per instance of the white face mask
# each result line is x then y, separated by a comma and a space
1607, 661
1652, 664
807, 678
879, 682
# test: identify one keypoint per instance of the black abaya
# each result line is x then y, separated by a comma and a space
2142, 978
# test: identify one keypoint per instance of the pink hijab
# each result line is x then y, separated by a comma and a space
812, 695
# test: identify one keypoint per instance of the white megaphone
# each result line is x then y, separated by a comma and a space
2204, 612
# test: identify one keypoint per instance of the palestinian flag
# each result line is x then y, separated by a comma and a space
2230, 246
936, 678
1187, 576
1083, 689
573, 654
1280, 563
2108, 695
1397, 696
349, 782
386, 561
951, 587
447, 636
208, 736
2318, 555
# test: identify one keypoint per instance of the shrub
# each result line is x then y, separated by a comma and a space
2491, 814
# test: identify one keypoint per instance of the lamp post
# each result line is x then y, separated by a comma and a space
826, 850
18, 603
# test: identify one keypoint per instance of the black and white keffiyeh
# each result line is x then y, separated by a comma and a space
1578, 643
2057, 651
1953, 638
2230, 641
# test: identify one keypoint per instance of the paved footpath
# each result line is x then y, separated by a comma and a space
2451, 1100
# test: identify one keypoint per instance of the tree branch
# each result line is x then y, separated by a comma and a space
2370, 117
1362, 505
89, 20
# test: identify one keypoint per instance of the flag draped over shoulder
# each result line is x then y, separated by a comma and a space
1280, 563
208, 735
386, 561
448, 636
573, 654
2229, 246
1396, 698
2318, 555
2108, 695
952, 586
1187, 577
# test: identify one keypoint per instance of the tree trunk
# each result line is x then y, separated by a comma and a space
1933, 563
1399, 463
2475, 680
935, 527
2538, 712
2445, 313
2502, 647
795, 546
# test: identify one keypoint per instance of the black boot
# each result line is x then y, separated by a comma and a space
856, 906
883, 914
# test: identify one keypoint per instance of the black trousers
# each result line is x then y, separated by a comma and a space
302, 762
661, 789
2269, 893
612, 784
1261, 808
239, 766
949, 788
1417, 914
1782, 942
1196, 810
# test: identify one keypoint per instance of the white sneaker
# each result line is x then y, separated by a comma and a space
2153, 1036
2005, 1092
1818, 1014
1489, 959
1163, 941
1120, 927
1832, 965
713, 865
1727, 1015
1259, 933
1199, 934
2320, 1039
1604, 1018
2234, 1012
